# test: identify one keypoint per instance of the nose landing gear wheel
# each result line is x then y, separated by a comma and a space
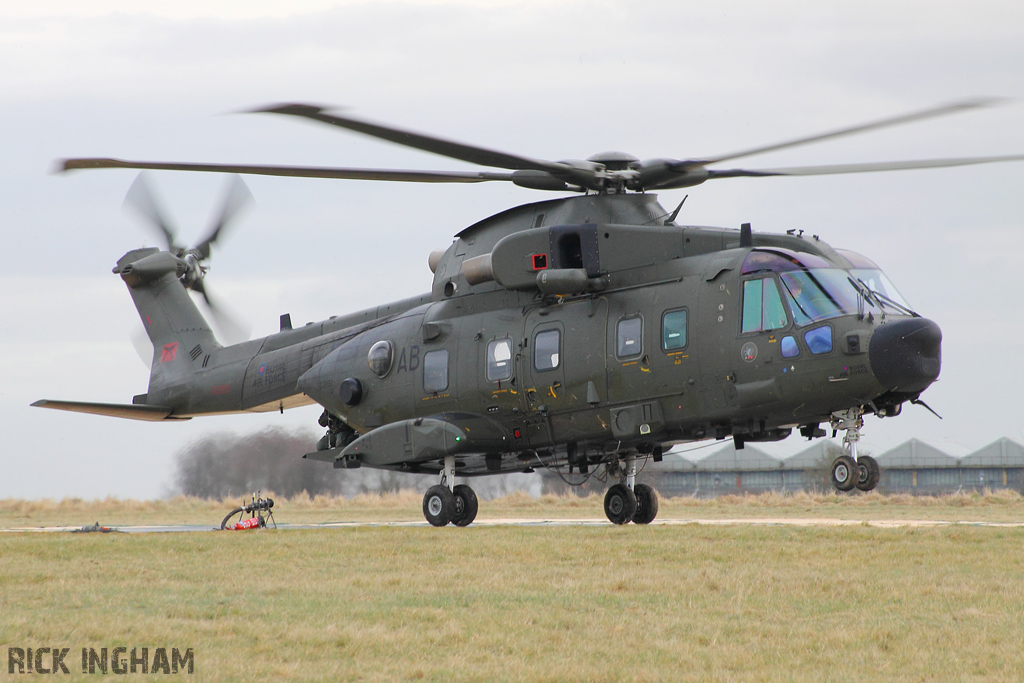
465, 506
868, 473
438, 505
646, 504
845, 473
619, 504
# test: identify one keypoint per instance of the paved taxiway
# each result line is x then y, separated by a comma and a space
753, 521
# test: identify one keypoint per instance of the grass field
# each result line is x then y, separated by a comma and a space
674, 603
998, 506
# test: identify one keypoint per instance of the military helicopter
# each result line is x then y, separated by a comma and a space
587, 333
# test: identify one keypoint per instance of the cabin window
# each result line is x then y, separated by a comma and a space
673, 330
380, 358
629, 337
819, 340
435, 371
499, 360
762, 306
789, 347
546, 349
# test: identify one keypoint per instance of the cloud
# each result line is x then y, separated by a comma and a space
553, 80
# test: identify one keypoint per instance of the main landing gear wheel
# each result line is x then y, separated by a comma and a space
465, 506
646, 504
619, 504
845, 473
438, 505
869, 473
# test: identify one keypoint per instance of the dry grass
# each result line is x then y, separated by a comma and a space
680, 603
1003, 506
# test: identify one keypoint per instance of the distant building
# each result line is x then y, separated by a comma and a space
913, 467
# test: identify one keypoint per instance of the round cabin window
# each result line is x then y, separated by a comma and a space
380, 357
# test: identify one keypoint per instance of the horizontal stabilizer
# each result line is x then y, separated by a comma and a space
129, 411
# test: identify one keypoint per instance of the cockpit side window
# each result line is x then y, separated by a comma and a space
762, 306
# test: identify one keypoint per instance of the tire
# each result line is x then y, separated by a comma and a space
844, 473
619, 504
236, 511
869, 472
438, 505
466, 505
646, 504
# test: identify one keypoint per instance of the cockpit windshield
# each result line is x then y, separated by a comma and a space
818, 294
818, 290
879, 284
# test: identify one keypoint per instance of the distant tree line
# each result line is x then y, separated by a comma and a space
228, 465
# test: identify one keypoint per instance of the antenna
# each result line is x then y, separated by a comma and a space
746, 236
672, 216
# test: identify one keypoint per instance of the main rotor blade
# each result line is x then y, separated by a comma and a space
858, 168
427, 143
941, 110
235, 199
407, 176
140, 197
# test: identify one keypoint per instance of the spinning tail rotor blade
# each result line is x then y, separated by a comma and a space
231, 328
142, 344
236, 198
140, 197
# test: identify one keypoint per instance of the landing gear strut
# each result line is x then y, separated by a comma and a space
848, 470
628, 501
338, 433
447, 503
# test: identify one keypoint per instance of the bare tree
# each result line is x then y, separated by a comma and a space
225, 464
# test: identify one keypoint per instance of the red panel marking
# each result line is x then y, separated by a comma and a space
170, 352
220, 389
540, 261
148, 321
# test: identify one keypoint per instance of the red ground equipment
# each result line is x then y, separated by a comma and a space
255, 510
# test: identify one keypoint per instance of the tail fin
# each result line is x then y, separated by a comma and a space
182, 339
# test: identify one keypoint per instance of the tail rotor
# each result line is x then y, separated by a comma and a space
237, 197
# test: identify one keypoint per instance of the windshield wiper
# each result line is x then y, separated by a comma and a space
883, 299
862, 296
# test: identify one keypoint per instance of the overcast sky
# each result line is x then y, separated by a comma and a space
548, 79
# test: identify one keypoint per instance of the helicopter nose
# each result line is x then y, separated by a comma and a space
906, 355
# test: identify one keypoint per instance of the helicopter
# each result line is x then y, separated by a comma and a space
588, 333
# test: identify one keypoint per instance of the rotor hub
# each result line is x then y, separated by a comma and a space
614, 161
